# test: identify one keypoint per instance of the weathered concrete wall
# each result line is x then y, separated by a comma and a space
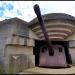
32, 34
15, 41
17, 49
20, 40
4, 33
71, 40
17, 45
20, 29
72, 50
71, 37
19, 58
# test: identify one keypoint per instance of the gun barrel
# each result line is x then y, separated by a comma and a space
41, 21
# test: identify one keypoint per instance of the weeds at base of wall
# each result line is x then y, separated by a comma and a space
10, 69
1, 70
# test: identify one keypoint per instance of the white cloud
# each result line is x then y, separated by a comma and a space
1, 18
27, 11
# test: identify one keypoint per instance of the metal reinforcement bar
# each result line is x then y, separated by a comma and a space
41, 21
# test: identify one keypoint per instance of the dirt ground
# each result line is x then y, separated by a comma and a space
38, 70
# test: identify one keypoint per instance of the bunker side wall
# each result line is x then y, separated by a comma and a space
71, 40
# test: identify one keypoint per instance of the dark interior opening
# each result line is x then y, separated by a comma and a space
40, 43
43, 49
60, 49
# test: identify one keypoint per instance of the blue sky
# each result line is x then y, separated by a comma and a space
24, 9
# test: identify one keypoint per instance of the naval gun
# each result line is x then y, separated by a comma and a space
51, 55
42, 25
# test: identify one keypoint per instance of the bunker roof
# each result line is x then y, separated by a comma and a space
53, 16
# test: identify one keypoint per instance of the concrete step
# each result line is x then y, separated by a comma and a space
38, 70
29, 72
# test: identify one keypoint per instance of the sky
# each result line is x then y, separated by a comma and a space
24, 9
